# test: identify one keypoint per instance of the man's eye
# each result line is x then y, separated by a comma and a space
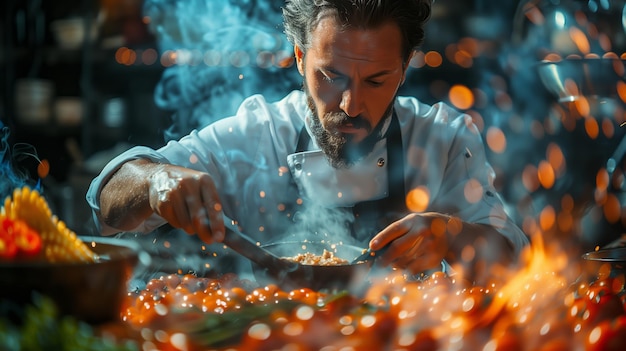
331, 78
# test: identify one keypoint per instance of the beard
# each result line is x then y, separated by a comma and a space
341, 150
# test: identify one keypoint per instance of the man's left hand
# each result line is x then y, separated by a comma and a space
416, 243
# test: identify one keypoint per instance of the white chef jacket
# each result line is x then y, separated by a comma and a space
266, 187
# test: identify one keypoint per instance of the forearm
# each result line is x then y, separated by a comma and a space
124, 199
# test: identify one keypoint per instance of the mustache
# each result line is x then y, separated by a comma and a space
339, 119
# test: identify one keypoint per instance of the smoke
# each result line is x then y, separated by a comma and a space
12, 175
218, 53
224, 52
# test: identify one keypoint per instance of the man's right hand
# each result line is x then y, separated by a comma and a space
184, 197
187, 199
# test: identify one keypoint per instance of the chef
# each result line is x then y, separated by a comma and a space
345, 158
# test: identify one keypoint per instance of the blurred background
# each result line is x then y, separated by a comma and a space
83, 80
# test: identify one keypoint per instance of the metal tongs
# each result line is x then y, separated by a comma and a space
247, 247
369, 255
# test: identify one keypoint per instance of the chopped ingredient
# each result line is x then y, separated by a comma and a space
327, 258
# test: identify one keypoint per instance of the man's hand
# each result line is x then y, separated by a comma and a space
420, 241
187, 199
416, 243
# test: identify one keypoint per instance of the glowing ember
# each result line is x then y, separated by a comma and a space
534, 307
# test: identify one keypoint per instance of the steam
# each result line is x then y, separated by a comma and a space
11, 175
222, 53
225, 51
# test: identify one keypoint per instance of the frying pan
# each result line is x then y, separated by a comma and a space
316, 277
271, 266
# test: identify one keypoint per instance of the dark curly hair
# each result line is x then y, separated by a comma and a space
301, 16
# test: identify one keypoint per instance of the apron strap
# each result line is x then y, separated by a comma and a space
303, 140
395, 158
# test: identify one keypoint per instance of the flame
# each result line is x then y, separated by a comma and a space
539, 277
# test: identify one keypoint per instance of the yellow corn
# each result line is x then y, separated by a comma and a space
59, 243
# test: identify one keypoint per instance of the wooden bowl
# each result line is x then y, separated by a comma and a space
92, 292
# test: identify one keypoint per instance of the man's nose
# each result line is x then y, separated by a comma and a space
352, 101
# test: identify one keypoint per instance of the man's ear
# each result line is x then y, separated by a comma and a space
299, 54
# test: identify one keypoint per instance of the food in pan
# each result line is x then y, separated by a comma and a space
327, 258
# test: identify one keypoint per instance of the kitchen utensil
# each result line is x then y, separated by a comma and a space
316, 277
245, 246
367, 255
608, 262
272, 266
92, 292
592, 78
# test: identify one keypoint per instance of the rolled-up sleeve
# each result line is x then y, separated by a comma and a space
93, 193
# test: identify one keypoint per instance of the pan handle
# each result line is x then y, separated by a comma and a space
247, 247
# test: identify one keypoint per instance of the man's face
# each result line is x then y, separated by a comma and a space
351, 79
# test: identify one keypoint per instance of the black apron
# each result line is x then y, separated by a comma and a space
373, 216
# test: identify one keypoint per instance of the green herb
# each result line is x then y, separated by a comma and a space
40, 327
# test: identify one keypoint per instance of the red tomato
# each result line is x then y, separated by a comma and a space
8, 249
6, 224
304, 295
171, 280
17, 239
608, 335
602, 304
27, 240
